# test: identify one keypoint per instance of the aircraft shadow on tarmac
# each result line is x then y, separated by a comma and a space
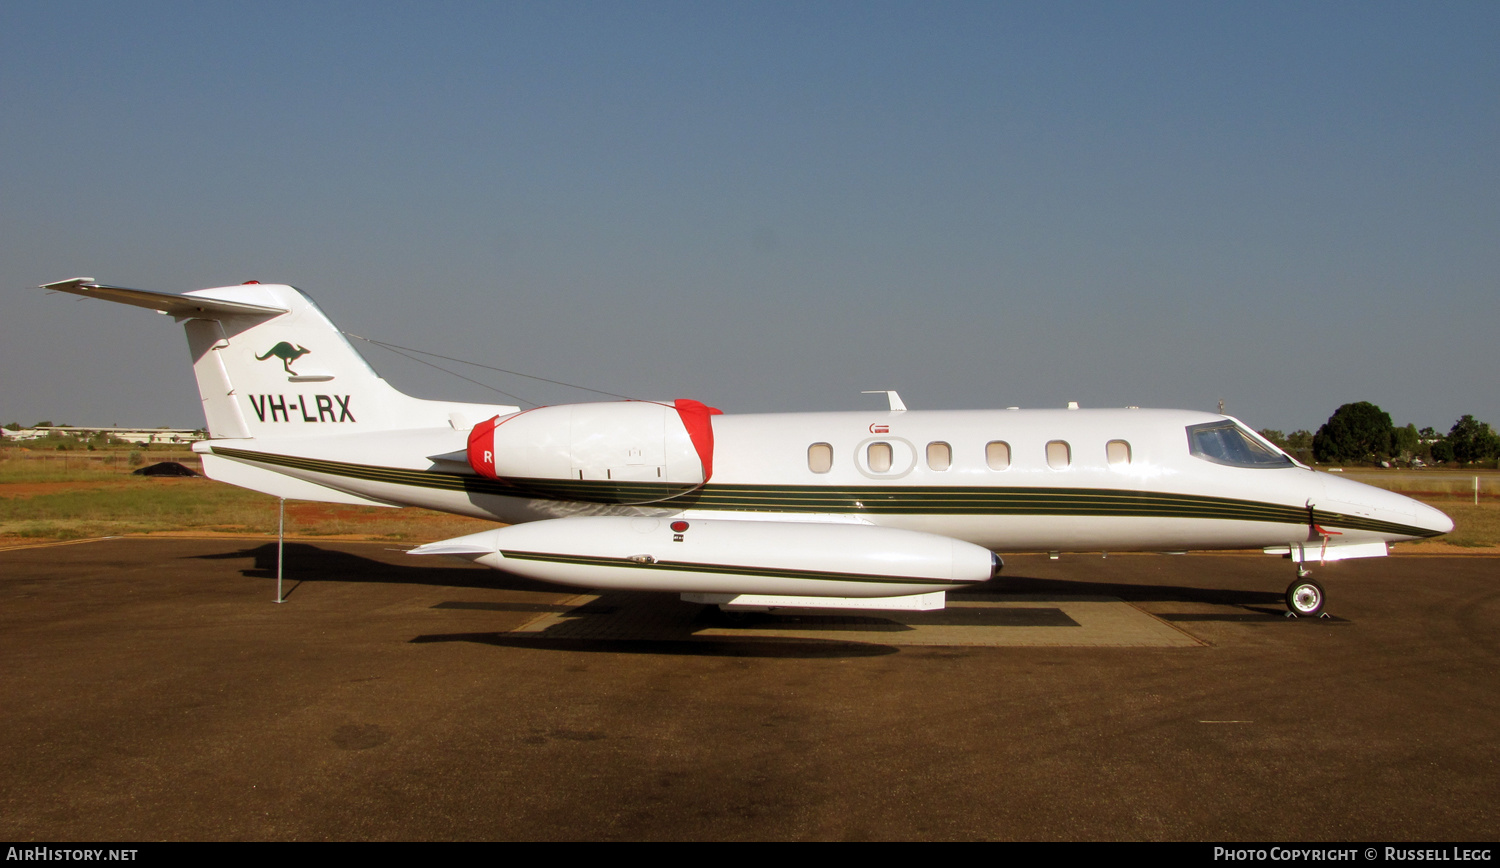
759, 648
656, 623
1258, 604
306, 562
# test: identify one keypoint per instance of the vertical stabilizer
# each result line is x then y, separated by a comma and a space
290, 374
270, 365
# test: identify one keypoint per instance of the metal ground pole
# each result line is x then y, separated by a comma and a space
280, 546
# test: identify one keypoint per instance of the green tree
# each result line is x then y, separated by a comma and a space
1471, 440
1408, 442
1274, 436
1355, 432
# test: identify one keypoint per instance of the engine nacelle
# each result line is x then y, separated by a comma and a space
734, 556
655, 449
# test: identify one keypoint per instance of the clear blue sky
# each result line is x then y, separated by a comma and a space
772, 206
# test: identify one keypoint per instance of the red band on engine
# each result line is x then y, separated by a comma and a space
482, 448
697, 419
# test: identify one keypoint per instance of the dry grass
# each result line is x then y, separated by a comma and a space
1475, 525
1455, 485
47, 498
24, 465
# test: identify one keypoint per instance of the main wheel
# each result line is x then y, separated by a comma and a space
1305, 598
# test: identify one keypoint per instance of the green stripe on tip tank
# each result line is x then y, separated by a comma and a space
720, 569
867, 500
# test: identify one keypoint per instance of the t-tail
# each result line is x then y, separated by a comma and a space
272, 367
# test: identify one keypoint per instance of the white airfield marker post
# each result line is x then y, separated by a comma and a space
280, 544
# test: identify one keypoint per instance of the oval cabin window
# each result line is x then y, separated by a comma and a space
939, 456
820, 458
1059, 455
997, 455
879, 457
1118, 452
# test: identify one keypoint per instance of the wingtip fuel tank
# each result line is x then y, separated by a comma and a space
727, 555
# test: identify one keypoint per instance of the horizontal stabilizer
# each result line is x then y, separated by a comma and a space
180, 306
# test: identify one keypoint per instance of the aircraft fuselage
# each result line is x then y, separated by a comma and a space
1058, 480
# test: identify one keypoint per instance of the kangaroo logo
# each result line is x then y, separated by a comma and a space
287, 353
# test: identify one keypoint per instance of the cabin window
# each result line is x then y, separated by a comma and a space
939, 456
820, 458
879, 457
1118, 452
997, 455
1226, 443
1059, 455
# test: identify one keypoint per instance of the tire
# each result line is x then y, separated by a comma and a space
1305, 598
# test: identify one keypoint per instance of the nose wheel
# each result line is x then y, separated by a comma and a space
1305, 598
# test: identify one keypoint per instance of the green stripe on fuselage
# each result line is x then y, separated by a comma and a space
865, 500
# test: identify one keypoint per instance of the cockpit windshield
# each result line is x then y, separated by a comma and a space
1227, 443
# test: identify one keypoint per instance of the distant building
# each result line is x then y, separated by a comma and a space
130, 435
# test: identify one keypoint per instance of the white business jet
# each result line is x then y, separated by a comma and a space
884, 509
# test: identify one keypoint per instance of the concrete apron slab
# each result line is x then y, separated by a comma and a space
970, 620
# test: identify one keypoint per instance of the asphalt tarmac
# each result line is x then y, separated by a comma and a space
151, 689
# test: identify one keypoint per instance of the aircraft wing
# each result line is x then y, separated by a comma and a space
179, 306
810, 561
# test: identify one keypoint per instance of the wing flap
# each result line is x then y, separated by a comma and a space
1323, 552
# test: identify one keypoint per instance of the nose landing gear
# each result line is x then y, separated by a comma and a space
1304, 597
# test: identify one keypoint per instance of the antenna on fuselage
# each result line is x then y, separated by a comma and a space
896, 405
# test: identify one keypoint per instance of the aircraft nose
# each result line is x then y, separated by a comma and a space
1355, 498
1432, 519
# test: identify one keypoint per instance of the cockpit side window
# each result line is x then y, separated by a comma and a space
1227, 443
